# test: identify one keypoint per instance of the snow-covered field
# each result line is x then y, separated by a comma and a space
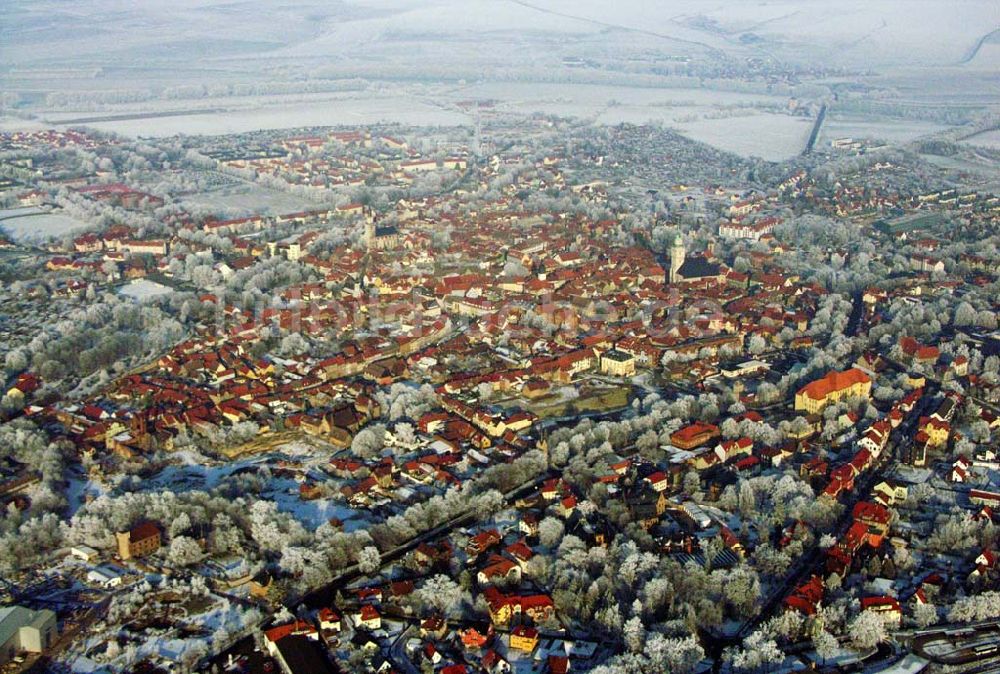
890, 130
34, 224
219, 67
990, 139
772, 137
363, 109
520, 95
981, 172
142, 289
247, 199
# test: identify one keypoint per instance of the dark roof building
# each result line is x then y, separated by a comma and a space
298, 654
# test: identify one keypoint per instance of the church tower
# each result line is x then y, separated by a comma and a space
369, 229
676, 258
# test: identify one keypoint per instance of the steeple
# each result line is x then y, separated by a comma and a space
369, 228
677, 253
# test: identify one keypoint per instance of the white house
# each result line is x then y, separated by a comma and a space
106, 576
84, 552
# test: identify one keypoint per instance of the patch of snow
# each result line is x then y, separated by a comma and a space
143, 289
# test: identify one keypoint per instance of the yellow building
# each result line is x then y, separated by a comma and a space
834, 387
892, 492
937, 432
618, 363
524, 639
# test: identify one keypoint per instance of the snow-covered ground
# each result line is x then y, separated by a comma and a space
386, 31
191, 473
889, 130
769, 136
990, 139
35, 224
362, 109
142, 289
249, 199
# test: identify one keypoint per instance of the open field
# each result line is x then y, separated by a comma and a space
600, 400
989, 139
768, 136
246, 199
386, 32
333, 112
31, 225
889, 130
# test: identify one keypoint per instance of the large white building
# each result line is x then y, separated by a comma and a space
25, 631
747, 230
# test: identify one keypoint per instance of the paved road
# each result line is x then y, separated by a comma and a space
857, 311
811, 143
398, 657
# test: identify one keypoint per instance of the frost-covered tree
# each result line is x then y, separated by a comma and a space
550, 531
440, 593
925, 614
826, 645
867, 631
757, 650
976, 607
369, 441
369, 560
742, 590
634, 634
183, 551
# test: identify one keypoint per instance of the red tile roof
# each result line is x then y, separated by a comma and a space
834, 381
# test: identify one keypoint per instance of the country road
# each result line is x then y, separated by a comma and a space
979, 45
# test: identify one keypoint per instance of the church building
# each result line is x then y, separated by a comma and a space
691, 269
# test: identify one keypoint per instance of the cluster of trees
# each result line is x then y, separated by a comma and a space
957, 533
26, 534
625, 587
101, 338
982, 606
236, 525
654, 653
483, 496
150, 598
401, 401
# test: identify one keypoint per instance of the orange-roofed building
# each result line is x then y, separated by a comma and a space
694, 435
834, 387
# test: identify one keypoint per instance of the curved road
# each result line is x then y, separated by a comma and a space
979, 45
